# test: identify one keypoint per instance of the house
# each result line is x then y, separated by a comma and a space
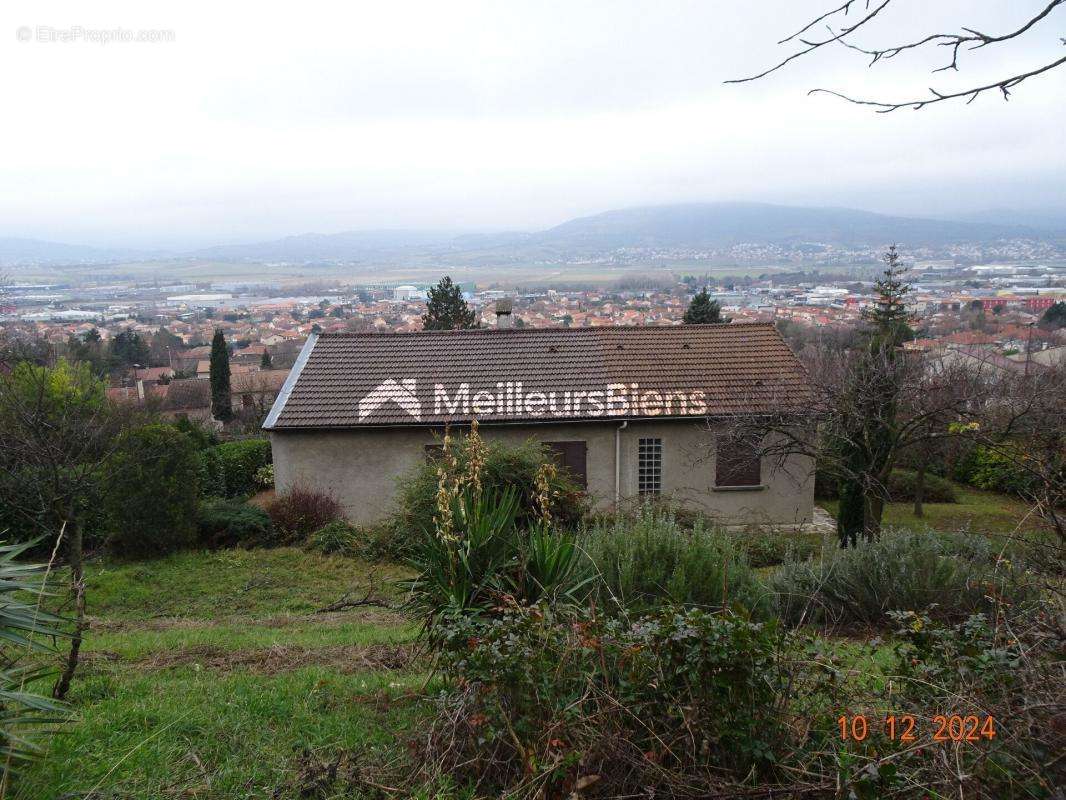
631, 412
257, 390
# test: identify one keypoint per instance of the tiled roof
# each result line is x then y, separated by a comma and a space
187, 394
540, 374
265, 380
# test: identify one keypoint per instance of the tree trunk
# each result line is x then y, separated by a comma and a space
849, 513
875, 507
77, 590
919, 490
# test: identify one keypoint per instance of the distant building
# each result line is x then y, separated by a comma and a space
407, 293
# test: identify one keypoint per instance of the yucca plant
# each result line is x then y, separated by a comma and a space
24, 629
552, 567
462, 568
476, 554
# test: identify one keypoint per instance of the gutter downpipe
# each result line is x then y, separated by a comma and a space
618, 463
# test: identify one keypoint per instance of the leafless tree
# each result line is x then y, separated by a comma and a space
939, 402
842, 27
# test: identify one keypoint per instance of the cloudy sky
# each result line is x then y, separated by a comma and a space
267, 119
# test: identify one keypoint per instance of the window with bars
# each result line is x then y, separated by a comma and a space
650, 466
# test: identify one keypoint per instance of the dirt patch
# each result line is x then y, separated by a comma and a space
284, 658
262, 499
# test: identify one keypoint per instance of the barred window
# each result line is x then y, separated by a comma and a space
650, 466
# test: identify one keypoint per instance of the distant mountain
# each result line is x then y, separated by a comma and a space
696, 226
1053, 220
683, 226
716, 225
15, 251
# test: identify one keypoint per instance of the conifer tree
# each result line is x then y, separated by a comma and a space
703, 310
446, 309
866, 444
221, 401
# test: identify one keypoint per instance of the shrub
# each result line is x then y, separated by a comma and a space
301, 511
152, 492
241, 461
954, 575
770, 548
384, 542
998, 469
638, 702
202, 437
233, 523
212, 474
264, 478
338, 537
504, 466
650, 560
903, 485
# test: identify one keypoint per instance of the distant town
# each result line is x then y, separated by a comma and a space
987, 307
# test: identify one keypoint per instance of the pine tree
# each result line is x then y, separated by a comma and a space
703, 310
446, 309
888, 317
221, 401
264, 362
1055, 316
867, 447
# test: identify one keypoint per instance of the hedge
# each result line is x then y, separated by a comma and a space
152, 492
229, 469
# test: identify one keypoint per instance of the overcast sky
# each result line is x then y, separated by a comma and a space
267, 119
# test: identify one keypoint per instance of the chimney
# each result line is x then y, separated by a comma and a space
503, 313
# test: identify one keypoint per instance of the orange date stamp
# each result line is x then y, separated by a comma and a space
905, 727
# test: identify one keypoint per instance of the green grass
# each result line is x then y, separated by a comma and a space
210, 675
987, 512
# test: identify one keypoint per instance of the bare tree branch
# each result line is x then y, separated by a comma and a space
812, 46
955, 41
1004, 86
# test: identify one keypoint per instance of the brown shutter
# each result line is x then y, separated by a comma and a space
571, 457
737, 463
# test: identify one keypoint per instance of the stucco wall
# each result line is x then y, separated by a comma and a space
361, 467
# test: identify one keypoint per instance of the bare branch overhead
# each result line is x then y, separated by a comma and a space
968, 38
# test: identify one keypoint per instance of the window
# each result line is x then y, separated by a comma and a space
650, 466
571, 457
737, 462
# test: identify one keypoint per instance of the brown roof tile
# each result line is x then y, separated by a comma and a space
356, 379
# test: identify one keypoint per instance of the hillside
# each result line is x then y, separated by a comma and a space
726, 224
689, 226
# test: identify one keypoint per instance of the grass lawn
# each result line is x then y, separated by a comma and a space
214, 675
210, 675
976, 510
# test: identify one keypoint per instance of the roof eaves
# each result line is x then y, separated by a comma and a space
290, 382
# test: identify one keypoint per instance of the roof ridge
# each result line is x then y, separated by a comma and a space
513, 331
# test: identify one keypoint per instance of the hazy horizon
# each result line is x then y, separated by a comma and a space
253, 124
